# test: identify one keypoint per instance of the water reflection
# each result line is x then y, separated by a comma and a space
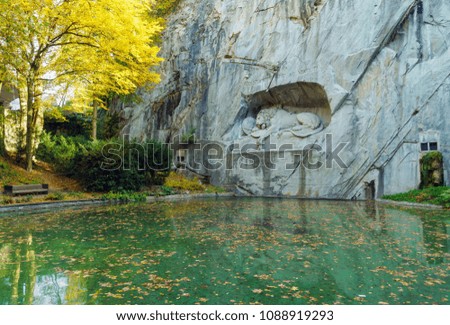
20, 283
227, 251
19, 262
435, 237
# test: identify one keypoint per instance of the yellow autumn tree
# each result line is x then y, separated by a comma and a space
97, 45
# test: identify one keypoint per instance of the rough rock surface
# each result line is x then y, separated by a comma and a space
377, 73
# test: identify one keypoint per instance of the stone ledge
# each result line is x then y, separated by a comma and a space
177, 197
67, 204
410, 204
48, 205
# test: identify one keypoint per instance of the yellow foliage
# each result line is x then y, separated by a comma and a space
97, 46
180, 182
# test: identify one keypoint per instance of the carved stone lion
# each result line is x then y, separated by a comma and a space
273, 120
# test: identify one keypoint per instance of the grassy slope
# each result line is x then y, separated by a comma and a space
432, 195
61, 188
11, 174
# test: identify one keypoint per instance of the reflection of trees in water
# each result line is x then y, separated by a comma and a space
76, 293
21, 263
18, 264
15, 278
31, 274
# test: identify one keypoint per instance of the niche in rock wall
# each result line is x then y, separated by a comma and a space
165, 109
300, 109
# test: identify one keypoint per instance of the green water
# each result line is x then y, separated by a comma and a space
227, 251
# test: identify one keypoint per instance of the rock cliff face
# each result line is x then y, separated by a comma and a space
376, 74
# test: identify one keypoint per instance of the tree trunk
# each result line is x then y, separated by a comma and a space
2, 129
94, 119
2, 123
30, 129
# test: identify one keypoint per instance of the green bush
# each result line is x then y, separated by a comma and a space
98, 175
111, 166
167, 190
444, 198
60, 151
104, 166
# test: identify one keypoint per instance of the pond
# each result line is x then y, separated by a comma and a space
227, 251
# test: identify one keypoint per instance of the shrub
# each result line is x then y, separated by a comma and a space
111, 166
167, 190
56, 196
124, 197
96, 176
104, 166
444, 198
180, 182
60, 151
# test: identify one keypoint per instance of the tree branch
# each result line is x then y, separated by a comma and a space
74, 43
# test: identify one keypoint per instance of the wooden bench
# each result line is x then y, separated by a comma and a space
26, 189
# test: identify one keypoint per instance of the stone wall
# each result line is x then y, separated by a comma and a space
376, 73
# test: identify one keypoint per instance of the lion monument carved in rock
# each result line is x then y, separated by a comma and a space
274, 120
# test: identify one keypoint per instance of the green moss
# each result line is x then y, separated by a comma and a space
429, 163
